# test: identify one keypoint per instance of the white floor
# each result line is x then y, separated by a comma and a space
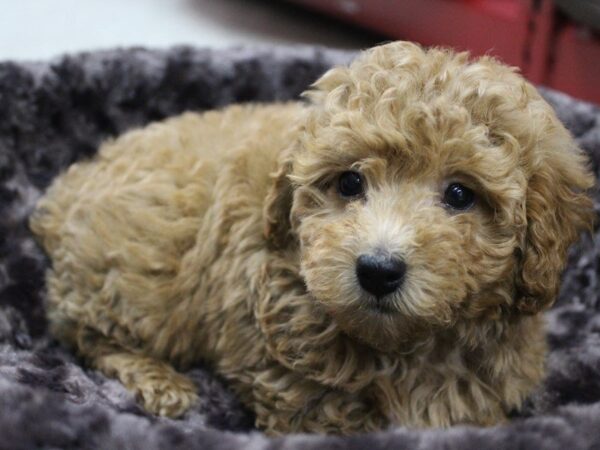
40, 29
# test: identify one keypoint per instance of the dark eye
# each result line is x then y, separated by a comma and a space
458, 196
350, 184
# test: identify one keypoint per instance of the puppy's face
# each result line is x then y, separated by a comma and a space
429, 190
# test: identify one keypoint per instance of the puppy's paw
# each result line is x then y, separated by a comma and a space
170, 397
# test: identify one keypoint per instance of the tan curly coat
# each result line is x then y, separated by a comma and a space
221, 237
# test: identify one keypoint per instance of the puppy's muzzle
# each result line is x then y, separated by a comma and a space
380, 274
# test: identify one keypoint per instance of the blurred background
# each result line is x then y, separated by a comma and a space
554, 42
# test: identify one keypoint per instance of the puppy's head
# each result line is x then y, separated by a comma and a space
426, 189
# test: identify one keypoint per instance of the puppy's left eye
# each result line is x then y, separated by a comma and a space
458, 196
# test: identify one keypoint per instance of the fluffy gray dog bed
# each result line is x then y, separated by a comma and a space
53, 114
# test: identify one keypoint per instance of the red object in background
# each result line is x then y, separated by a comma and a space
531, 34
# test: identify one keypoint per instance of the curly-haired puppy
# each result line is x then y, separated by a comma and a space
378, 256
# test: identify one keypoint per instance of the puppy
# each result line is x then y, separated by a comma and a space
377, 256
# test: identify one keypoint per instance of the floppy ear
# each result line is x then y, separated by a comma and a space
557, 210
278, 203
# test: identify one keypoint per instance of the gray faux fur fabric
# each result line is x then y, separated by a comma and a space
52, 114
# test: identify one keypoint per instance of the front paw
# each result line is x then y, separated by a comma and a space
170, 397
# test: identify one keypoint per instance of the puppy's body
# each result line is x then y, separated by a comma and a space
178, 244
149, 240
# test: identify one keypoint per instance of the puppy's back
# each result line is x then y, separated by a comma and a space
181, 147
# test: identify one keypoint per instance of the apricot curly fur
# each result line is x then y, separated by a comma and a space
221, 237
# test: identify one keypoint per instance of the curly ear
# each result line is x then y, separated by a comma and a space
277, 226
558, 209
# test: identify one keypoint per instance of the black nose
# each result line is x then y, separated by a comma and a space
380, 274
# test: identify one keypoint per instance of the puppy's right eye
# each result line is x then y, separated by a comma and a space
350, 184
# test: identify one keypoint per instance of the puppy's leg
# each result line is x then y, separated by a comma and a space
157, 385
286, 402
